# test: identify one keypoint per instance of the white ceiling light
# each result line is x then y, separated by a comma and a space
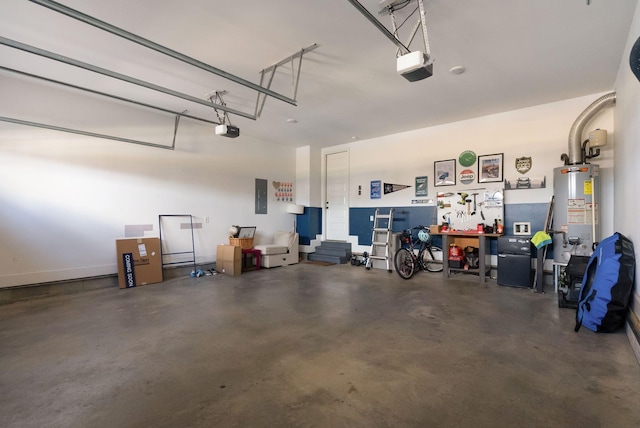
458, 69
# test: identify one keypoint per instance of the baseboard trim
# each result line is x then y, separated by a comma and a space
55, 288
633, 333
71, 286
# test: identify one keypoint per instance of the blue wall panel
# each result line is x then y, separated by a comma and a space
403, 218
534, 213
309, 224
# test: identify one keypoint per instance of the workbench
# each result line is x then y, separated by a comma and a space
463, 240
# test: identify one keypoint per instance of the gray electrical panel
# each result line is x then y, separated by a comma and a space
261, 196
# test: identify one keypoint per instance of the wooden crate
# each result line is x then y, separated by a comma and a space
244, 243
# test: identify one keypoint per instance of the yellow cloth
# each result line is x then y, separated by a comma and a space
540, 239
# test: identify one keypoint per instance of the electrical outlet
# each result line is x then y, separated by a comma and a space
370, 218
522, 228
206, 219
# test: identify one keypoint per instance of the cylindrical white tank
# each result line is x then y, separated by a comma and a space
576, 190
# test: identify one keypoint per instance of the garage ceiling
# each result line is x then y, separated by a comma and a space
516, 53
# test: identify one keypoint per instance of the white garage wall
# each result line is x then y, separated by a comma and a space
308, 186
627, 159
64, 198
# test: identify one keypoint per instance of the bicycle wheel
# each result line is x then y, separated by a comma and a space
432, 259
404, 264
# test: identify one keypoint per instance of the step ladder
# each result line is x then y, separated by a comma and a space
380, 239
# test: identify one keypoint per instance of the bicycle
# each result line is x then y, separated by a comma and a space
428, 257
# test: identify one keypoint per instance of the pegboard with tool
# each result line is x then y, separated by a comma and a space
465, 209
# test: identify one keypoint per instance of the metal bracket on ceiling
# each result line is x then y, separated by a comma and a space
391, 7
379, 25
175, 129
421, 24
216, 99
271, 71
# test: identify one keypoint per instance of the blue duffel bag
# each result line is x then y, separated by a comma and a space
607, 285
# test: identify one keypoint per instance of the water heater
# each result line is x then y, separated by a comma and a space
575, 214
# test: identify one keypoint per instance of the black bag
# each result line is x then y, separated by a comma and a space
471, 254
571, 281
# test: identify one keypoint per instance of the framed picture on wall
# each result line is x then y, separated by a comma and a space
422, 188
490, 168
376, 189
444, 172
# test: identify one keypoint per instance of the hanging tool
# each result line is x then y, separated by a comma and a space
447, 217
468, 201
474, 203
481, 212
463, 198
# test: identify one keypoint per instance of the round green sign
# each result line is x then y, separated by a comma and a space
467, 158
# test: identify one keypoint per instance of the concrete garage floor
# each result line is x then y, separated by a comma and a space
311, 346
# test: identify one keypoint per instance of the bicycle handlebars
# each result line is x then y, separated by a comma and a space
418, 227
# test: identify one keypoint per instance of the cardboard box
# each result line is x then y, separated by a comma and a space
435, 228
229, 259
139, 261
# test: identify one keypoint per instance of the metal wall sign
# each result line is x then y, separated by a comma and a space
467, 176
421, 186
523, 164
376, 187
467, 158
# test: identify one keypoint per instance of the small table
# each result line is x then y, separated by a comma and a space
255, 253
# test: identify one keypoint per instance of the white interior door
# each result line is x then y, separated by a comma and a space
337, 200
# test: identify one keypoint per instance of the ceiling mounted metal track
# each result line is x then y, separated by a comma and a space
119, 76
86, 133
157, 47
116, 97
379, 26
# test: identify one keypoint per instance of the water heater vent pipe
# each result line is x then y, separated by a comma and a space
575, 134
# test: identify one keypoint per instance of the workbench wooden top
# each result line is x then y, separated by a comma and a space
470, 234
